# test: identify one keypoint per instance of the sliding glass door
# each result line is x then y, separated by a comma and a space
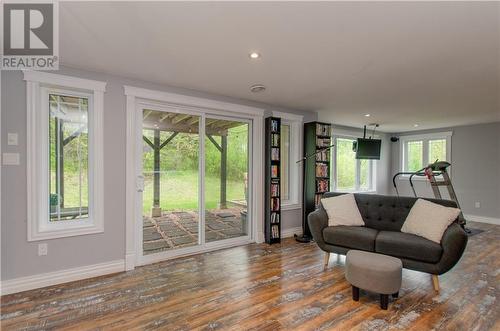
226, 179
184, 208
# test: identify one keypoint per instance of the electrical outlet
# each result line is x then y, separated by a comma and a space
42, 249
477, 204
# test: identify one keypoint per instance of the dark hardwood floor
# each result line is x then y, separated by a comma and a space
261, 287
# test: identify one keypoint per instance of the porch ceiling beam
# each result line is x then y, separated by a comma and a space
179, 118
193, 120
147, 113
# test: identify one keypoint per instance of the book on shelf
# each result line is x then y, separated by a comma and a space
323, 129
275, 218
275, 140
322, 185
275, 190
275, 154
274, 126
275, 171
321, 170
323, 155
322, 142
275, 232
275, 204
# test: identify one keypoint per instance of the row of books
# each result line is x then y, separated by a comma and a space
322, 185
323, 155
275, 140
275, 126
275, 190
275, 172
322, 142
321, 170
275, 218
275, 231
275, 204
275, 154
323, 129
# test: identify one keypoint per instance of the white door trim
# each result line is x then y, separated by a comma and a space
138, 97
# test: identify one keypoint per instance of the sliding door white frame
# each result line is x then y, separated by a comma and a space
138, 99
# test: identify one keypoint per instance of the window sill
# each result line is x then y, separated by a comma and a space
63, 233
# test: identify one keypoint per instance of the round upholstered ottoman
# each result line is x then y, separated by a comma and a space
375, 273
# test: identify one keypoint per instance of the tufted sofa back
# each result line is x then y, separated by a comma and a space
386, 212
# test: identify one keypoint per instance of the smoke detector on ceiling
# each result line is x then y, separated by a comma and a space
257, 88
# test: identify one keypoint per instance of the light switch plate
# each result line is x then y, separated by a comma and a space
12, 139
10, 158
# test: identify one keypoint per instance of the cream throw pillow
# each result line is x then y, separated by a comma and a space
429, 220
342, 210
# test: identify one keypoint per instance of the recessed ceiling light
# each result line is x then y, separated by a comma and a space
257, 88
254, 55
415, 125
367, 115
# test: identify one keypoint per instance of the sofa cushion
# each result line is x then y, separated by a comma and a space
356, 237
408, 246
342, 210
429, 220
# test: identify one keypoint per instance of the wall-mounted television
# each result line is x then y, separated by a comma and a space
367, 148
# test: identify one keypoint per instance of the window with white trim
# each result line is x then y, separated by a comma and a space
291, 136
348, 173
417, 151
64, 160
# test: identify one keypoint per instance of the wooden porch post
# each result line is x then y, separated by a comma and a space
156, 159
223, 172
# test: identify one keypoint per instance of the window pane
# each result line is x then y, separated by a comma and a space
437, 150
285, 161
68, 157
346, 165
414, 154
364, 175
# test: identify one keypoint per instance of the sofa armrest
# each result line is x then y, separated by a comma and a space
454, 242
318, 220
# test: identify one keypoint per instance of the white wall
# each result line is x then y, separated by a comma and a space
19, 257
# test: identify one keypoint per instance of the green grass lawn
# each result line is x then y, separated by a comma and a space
179, 190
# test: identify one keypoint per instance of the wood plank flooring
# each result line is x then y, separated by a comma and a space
261, 287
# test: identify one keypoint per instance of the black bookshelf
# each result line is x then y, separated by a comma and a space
273, 182
316, 170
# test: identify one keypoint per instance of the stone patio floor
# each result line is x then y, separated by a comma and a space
175, 229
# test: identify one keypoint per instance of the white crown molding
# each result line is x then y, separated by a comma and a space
63, 80
183, 99
59, 277
482, 219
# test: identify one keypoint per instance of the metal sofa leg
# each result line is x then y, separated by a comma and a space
325, 262
435, 282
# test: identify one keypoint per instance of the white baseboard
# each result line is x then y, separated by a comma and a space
58, 277
482, 219
287, 233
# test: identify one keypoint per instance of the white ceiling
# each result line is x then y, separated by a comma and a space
435, 64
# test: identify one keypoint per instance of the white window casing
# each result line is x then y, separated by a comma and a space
39, 86
295, 123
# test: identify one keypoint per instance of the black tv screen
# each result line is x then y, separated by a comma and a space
368, 149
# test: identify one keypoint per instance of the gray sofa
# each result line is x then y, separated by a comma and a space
384, 216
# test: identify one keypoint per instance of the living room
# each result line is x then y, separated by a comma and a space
250, 165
